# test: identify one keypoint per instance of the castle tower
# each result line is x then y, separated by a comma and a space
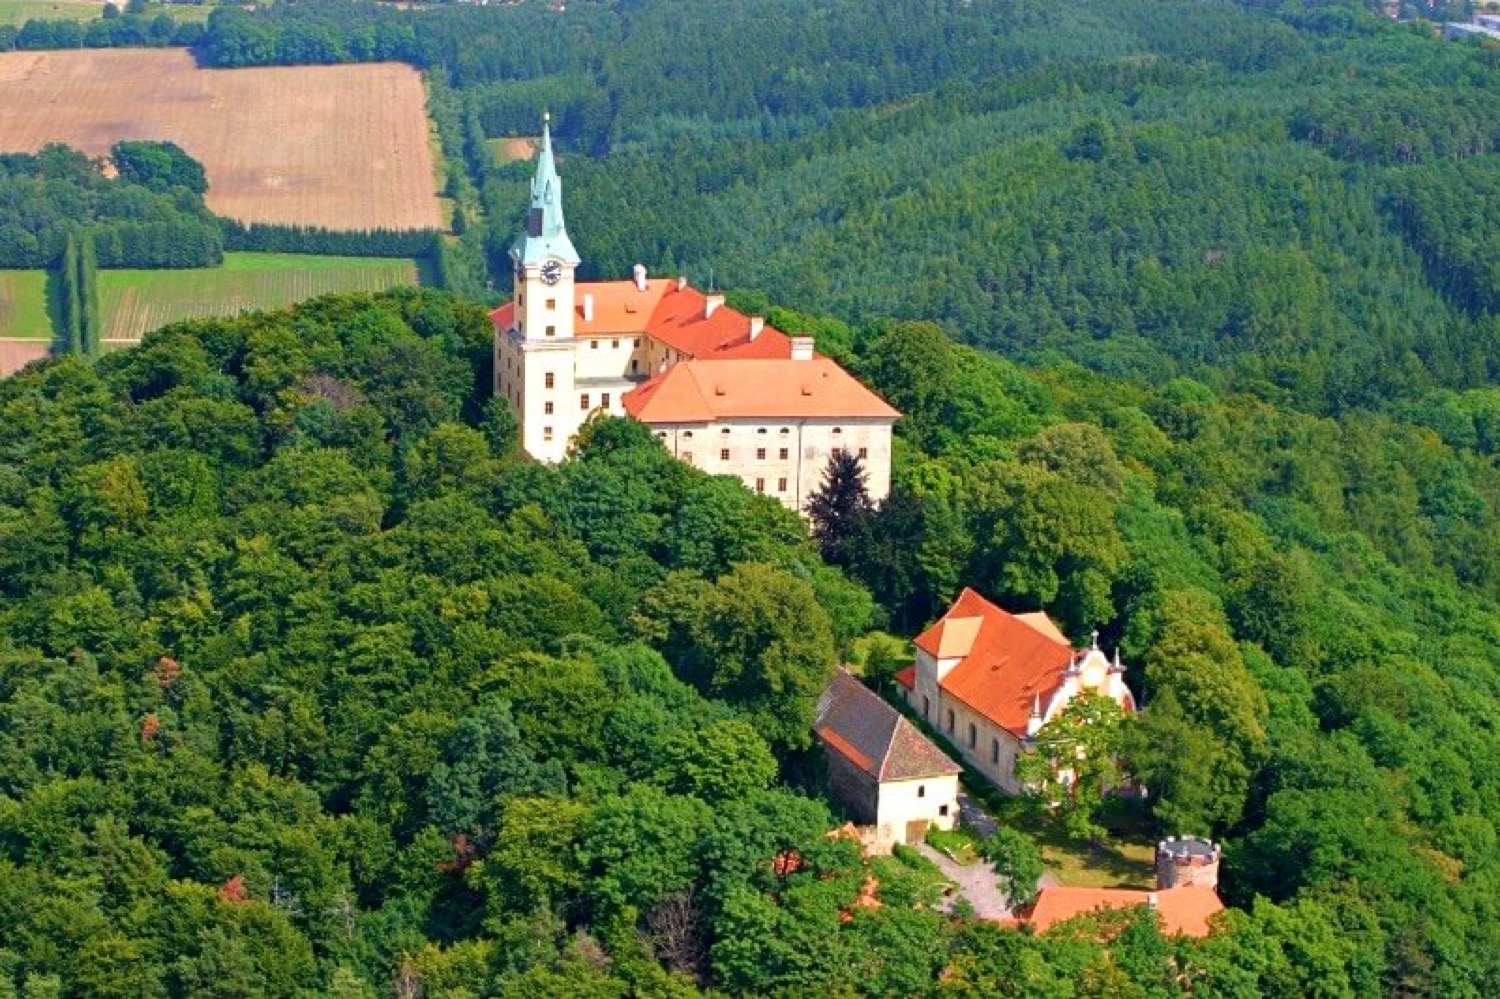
1187, 861
536, 367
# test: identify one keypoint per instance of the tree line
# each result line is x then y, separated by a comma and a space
140, 219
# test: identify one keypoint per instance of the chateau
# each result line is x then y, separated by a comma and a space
989, 680
721, 390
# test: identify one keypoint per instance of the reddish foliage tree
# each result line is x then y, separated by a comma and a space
233, 891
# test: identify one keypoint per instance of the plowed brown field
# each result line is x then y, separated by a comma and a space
344, 147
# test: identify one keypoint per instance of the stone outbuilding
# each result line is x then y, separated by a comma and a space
894, 782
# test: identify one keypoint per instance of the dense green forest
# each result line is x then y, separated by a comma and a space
1248, 193
151, 215
308, 682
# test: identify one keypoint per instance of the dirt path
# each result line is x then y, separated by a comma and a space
976, 881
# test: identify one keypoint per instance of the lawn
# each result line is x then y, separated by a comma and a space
18, 12
959, 844
134, 302
23, 306
1126, 858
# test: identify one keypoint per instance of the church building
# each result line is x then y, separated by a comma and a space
989, 680
721, 390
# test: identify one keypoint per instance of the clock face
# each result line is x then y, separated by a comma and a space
552, 272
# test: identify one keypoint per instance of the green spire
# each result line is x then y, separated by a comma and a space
546, 236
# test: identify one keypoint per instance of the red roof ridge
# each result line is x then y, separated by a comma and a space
1002, 663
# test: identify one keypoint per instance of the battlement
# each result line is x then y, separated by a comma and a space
1187, 860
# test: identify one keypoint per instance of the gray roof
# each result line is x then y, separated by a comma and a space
855, 722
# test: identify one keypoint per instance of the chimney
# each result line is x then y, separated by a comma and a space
681, 282
640, 277
802, 348
711, 303
588, 308
757, 323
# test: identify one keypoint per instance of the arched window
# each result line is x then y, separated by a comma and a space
950, 719
973, 735
994, 750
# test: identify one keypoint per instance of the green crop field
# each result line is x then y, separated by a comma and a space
23, 306
135, 302
18, 12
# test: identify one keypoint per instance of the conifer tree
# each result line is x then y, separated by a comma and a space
71, 302
90, 321
840, 510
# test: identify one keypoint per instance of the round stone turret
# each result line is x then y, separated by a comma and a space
1187, 861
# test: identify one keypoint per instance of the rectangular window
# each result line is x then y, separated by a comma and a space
724, 454
593, 345
546, 409
614, 343
785, 454
864, 452
760, 485
551, 303
583, 402
760, 454
552, 331
943, 810
926, 707
546, 433
634, 365
781, 485
637, 342
604, 400
921, 790
549, 379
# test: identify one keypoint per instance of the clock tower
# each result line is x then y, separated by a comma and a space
543, 259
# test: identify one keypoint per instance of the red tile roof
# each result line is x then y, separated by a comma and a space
675, 316
1005, 660
706, 390
1186, 910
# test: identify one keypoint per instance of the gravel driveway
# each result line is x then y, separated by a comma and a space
976, 881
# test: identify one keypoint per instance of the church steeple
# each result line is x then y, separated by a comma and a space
546, 235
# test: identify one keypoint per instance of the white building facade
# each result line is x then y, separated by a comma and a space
751, 402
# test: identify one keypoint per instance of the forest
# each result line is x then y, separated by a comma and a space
311, 684
151, 215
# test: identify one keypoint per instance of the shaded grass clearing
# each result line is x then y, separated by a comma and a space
1126, 858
